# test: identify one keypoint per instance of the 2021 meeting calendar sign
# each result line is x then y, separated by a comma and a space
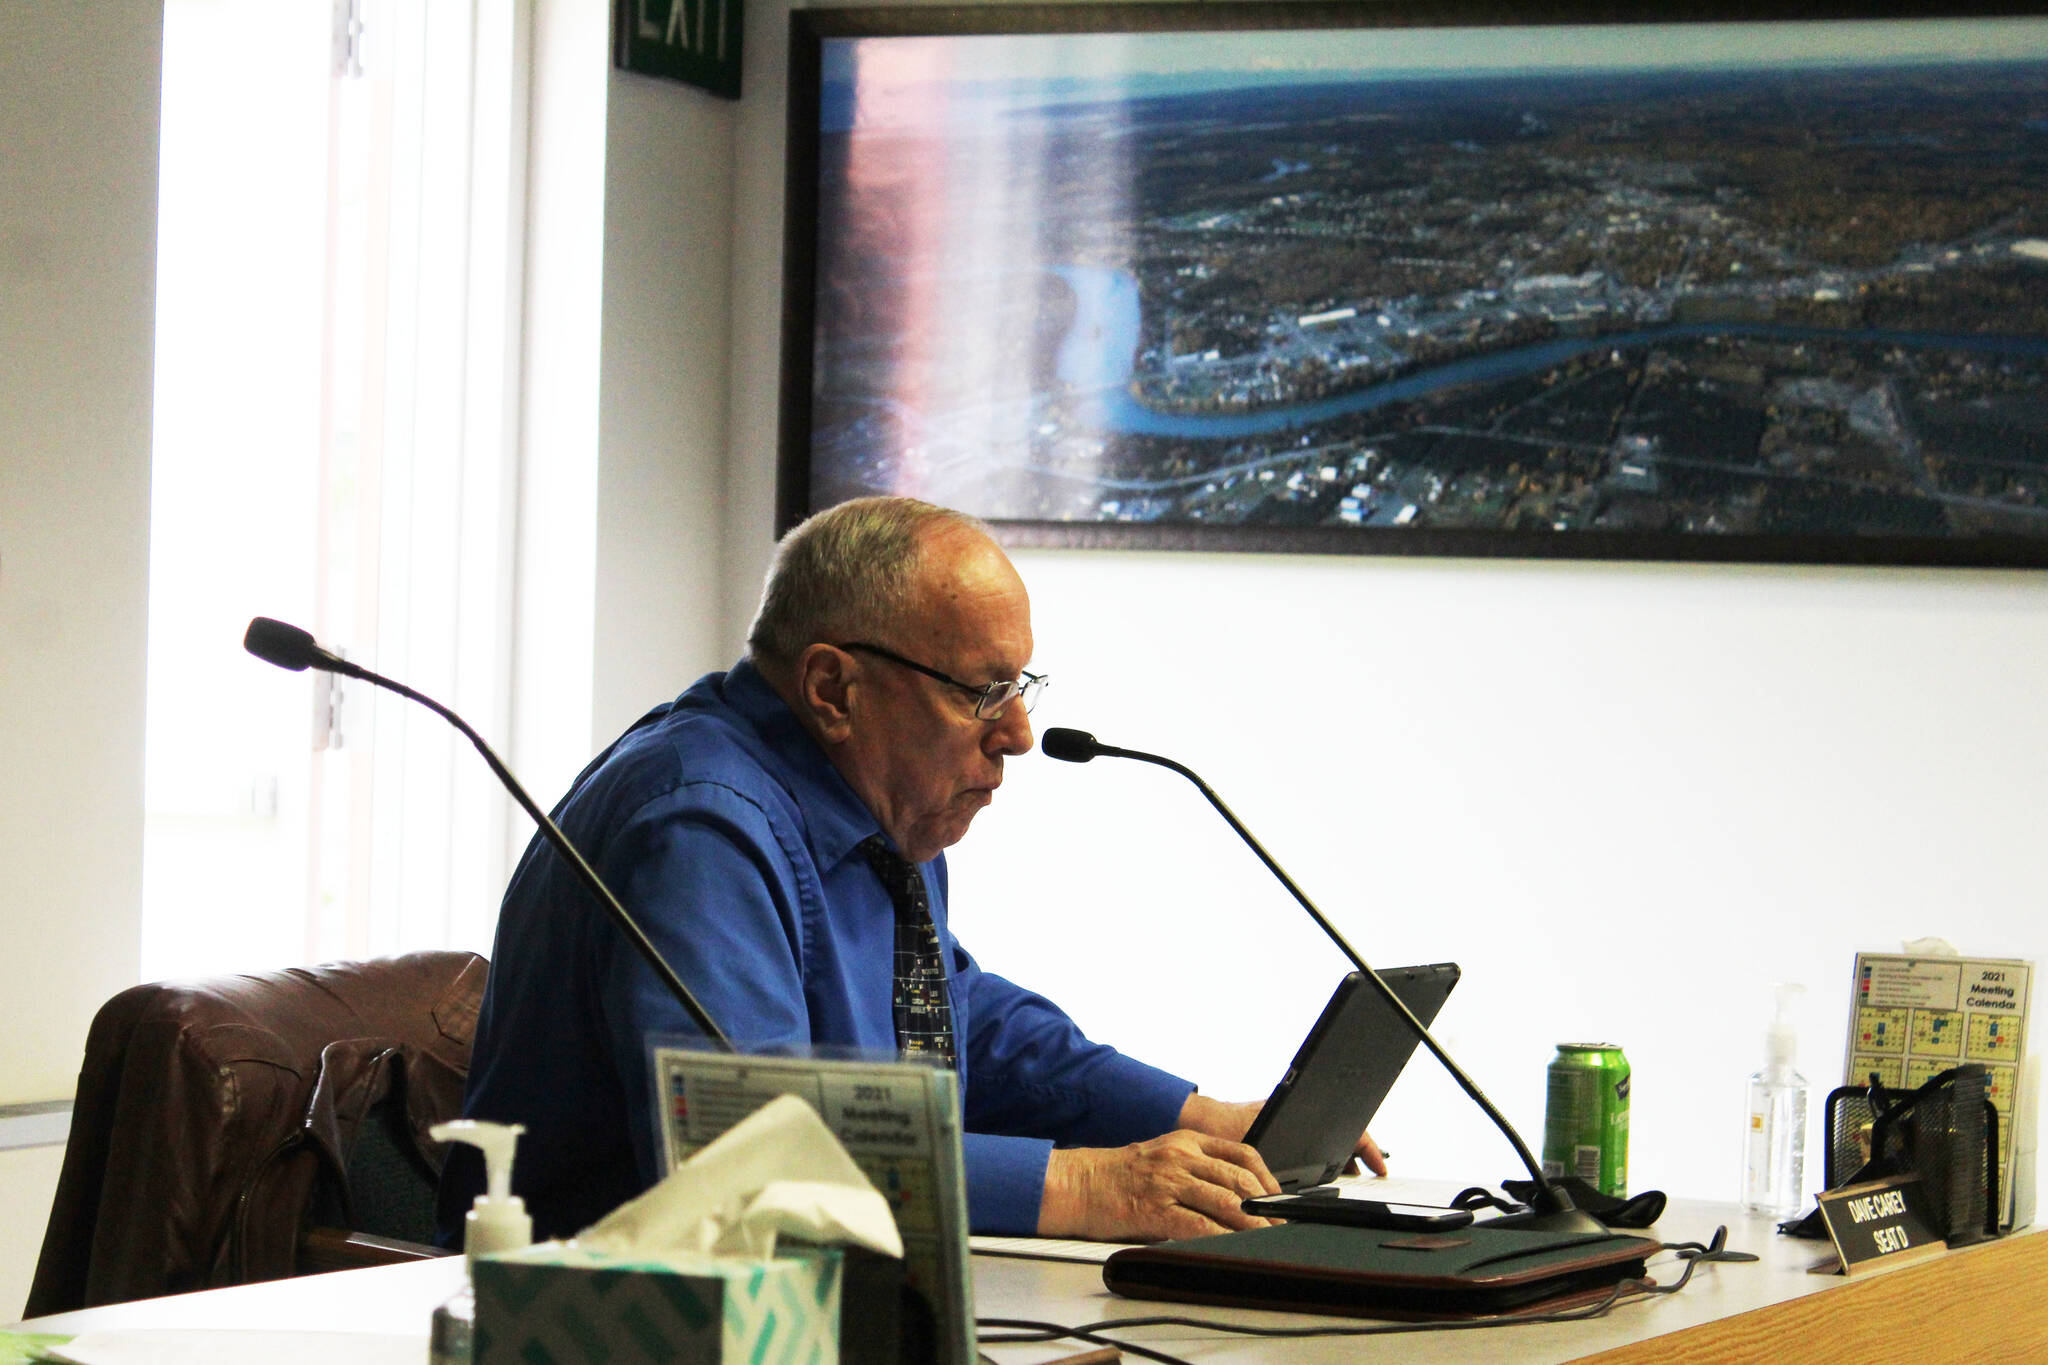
1913, 1018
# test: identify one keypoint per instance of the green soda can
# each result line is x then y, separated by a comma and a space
1585, 1116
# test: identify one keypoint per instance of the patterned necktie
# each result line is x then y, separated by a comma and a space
924, 1015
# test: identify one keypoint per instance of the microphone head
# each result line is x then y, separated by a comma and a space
287, 646
1069, 746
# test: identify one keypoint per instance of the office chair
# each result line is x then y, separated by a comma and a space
254, 1127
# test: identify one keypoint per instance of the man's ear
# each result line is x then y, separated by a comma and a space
824, 691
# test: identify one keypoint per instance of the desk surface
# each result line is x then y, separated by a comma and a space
1731, 1311
1963, 1305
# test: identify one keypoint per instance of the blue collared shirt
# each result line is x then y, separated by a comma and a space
722, 826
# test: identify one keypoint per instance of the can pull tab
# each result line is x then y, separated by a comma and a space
498, 1221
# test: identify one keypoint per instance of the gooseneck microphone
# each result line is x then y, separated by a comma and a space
1553, 1209
288, 646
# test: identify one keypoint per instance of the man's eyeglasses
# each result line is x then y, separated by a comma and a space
990, 699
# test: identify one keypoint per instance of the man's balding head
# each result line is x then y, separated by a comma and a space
851, 572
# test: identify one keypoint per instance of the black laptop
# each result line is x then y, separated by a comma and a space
1341, 1073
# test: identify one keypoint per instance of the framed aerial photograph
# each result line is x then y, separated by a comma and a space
1754, 281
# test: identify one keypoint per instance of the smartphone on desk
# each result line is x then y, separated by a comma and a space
1358, 1213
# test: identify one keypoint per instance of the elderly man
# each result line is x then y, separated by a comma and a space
778, 830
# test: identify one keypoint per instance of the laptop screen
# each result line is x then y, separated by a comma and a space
1343, 1071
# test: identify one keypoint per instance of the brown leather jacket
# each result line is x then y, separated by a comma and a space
211, 1115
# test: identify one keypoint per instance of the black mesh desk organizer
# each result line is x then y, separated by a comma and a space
1946, 1132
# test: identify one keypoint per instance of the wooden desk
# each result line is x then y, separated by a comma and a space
1961, 1306
1966, 1305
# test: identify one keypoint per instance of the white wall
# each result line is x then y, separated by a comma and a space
556, 592
754, 345
1625, 797
623, 448
78, 101
661, 504
78, 106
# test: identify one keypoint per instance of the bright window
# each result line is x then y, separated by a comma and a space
337, 325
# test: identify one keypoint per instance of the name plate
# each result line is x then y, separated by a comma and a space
1881, 1224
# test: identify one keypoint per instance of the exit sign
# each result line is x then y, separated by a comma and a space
697, 41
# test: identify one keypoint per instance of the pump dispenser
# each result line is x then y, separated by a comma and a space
498, 1221
1774, 1143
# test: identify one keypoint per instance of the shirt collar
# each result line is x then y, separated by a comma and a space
835, 818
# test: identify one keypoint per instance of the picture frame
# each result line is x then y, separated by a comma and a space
1747, 282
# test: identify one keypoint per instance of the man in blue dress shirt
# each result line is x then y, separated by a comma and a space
884, 685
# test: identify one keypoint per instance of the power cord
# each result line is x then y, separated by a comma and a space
1013, 1331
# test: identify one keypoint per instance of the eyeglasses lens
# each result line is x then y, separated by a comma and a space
999, 696
993, 701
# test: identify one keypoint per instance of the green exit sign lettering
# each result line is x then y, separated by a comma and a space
697, 41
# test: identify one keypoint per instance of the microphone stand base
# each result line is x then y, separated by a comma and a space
1570, 1220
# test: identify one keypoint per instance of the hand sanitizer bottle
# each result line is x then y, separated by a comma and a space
1774, 1146
498, 1221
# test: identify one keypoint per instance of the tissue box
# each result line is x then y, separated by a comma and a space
555, 1302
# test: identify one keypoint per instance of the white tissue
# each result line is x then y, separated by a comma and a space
779, 1170
1929, 947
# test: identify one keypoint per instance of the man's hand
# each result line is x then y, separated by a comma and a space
1369, 1153
1185, 1184
1218, 1118
1233, 1121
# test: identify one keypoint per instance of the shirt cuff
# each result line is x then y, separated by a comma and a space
1005, 1183
1006, 1175
1132, 1102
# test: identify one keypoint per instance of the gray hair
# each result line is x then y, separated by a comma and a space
845, 573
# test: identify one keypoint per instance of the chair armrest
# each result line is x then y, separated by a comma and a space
324, 1249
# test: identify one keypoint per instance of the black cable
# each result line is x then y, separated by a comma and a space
1015, 1331
1716, 1250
